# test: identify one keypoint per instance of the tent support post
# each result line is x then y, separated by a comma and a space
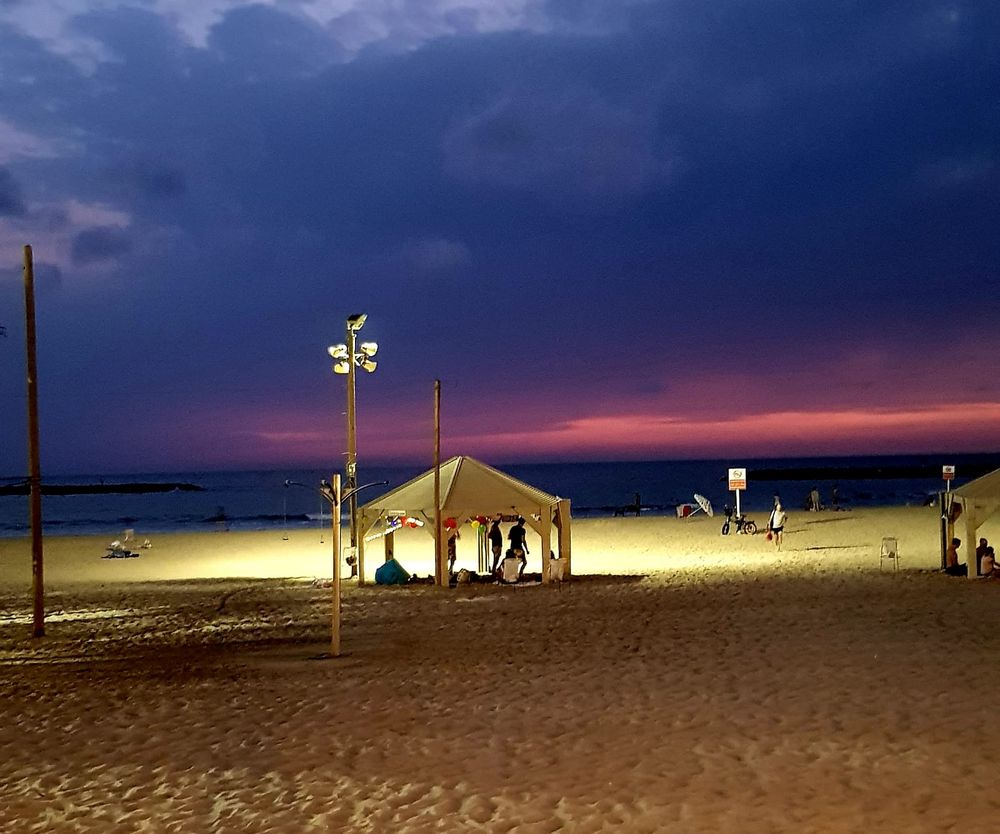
546, 542
971, 527
563, 511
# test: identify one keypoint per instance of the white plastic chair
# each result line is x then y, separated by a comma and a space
889, 552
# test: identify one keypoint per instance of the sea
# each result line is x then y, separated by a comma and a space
289, 499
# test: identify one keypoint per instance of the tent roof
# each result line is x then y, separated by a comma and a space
467, 485
986, 488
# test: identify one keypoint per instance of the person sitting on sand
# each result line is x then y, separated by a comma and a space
980, 552
776, 524
952, 566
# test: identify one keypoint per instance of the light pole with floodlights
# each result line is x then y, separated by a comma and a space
350, 356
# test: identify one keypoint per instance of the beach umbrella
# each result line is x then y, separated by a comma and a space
703, 504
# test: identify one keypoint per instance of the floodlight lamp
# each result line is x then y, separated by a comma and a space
342, 367
368, 364
356, 321
337, 351
369, 348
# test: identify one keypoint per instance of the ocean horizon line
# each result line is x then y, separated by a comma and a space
944, 458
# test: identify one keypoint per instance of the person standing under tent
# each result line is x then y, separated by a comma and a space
495, 536
453, 536
518, 546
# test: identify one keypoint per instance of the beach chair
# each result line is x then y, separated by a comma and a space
889, 552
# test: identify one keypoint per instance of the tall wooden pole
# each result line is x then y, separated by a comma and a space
34, 464
335, 591
440, 576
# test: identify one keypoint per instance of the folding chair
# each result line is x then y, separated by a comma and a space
889, 552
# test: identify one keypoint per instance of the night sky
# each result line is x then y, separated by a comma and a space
614, 230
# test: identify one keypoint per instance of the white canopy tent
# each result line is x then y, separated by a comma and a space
979, 499
470, 488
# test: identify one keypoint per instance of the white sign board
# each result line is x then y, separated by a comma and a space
948, 473
737, 479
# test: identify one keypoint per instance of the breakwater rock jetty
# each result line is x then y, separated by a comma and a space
101, 489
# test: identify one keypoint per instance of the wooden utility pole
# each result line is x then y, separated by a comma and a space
34, 464
440, 574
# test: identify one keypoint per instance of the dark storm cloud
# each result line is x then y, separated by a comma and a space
569, 145
712, 184
99, 244
155, 180
260, 42
11, 202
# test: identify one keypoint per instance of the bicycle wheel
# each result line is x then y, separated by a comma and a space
725, 529
750, 528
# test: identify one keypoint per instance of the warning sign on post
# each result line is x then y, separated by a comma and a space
737, 479
948, 473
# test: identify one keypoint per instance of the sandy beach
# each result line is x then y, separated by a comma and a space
683, 681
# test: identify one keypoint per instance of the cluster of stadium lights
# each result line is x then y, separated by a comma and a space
362, 357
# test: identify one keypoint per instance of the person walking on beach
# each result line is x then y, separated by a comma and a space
518, 546
495, 536
776, 524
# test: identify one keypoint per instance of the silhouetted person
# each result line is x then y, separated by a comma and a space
452, 550
518, 546
980, 552
495, 536
952, 567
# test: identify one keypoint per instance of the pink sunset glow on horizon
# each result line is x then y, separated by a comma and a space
240, 438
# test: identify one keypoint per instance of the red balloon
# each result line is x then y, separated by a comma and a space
450, 524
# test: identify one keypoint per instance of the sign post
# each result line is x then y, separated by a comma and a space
948, 473
737, 481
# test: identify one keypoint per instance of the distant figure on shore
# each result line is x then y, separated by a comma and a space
835, 497
776, 524
496, 541
814, 505
952, 566
980, 552
635, 507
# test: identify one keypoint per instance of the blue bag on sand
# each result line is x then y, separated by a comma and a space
391, 573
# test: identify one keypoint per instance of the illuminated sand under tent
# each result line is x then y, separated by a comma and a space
979, 499
469, 490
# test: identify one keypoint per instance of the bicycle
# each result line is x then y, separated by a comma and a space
744, 525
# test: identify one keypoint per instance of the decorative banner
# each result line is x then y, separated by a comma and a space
737, 479
948, 473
